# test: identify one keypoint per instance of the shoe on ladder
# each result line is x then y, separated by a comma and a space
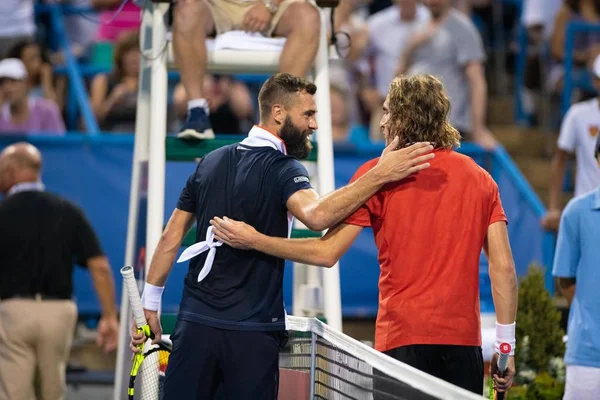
196, 126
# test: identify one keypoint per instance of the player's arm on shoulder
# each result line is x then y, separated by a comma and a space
169, 244
502, 272
393, 165
324, 252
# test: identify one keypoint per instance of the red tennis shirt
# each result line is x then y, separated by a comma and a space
429, 230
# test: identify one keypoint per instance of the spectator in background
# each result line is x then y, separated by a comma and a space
450, 47
352, 36
39, 72
297, 20
344, 129
42, 236
538, 17
576, 267
340, 118
114, 95
578, 134
17, 23
587, 44
230, 100
22, 114
396, 24
113, 24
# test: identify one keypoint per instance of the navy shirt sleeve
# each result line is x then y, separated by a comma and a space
291, 177
187, 198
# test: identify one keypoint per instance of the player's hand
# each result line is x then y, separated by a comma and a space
155, 328
233, 233
108, 333
395, 165
551, 220
257, 18
504, 383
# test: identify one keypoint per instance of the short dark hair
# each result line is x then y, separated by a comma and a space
279, 89
597, 152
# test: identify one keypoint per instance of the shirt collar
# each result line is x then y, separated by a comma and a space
596, 200
261, 137
26, 187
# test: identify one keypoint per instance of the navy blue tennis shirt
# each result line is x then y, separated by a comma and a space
251, 182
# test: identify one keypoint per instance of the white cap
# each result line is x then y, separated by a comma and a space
12, 68
596, 67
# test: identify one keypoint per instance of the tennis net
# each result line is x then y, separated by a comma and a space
340, 367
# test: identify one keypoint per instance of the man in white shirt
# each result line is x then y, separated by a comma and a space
389, 31
578, 134
450, 47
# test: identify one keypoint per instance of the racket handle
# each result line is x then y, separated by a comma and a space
503, 357
134, 296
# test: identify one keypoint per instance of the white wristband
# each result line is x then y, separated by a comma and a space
505, 334
152, 297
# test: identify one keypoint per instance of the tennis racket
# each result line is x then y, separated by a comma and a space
502, 366
147, 375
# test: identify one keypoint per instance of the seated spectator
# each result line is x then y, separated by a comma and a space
297, 20
397, 24
343, 129
230, 100
450, 47
113, 24
17, 23
39, 71
114, 95
587, 44
340, 120
20, 113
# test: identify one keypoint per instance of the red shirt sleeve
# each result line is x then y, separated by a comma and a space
362, 216
497, 211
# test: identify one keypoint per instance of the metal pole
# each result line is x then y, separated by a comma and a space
313, 363
331, 276
140, 155
158, 126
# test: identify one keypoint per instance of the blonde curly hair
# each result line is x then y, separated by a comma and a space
419, 108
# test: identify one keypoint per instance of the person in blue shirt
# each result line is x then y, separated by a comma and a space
577, 267
231, 321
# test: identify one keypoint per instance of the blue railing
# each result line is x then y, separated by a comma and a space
573, 78
72, 66
503, 163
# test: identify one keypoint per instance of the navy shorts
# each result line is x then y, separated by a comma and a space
210, 363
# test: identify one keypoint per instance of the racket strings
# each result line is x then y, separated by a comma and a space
151, 375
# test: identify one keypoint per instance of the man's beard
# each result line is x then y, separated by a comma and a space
296, 141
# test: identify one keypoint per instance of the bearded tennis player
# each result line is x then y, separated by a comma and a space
231, 320
429, 229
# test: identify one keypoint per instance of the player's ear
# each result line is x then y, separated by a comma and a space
278, 113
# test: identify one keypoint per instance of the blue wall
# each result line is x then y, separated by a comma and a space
95, 172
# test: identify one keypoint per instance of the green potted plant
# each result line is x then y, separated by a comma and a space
540, 346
